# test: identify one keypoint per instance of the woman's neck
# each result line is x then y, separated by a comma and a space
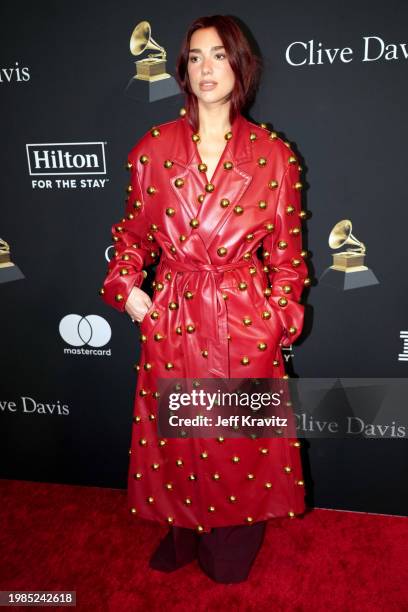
214, 120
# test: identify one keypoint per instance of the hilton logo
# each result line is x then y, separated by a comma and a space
69, 159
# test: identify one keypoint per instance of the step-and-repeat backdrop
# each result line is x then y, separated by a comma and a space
334, 85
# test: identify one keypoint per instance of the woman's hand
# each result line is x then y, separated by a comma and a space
137, 304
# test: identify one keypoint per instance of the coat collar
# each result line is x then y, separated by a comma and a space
238, 149
230, 184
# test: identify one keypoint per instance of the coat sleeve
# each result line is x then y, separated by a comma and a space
283, 255
134, 246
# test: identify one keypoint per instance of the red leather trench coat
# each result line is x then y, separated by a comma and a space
218, 311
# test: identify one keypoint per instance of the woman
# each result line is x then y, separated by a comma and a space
206, 192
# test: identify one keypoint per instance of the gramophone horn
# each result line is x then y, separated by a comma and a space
341, 235
4, 246
141, 39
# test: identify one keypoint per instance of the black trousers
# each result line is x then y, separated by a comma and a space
225, 554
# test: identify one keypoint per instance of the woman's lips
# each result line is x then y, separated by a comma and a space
207, 86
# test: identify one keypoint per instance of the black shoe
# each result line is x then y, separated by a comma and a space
178, 548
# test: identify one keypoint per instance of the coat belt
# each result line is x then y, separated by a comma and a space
211, 307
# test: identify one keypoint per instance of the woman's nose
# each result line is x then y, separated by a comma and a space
206, 66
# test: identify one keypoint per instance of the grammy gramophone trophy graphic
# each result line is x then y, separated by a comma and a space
8, 270
348, 270
151, 81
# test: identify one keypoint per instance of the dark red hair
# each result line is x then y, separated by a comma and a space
245, 64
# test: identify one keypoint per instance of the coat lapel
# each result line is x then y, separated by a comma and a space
229, 184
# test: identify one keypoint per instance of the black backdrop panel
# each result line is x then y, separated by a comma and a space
66, 417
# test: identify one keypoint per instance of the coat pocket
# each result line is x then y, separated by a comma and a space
148, 318
274, 323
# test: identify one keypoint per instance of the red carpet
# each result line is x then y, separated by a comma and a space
61, 537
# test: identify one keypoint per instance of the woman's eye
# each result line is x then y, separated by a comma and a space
193, 57
222, 55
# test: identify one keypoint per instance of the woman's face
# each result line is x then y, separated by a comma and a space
211, 76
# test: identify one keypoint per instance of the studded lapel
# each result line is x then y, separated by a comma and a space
228, 184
